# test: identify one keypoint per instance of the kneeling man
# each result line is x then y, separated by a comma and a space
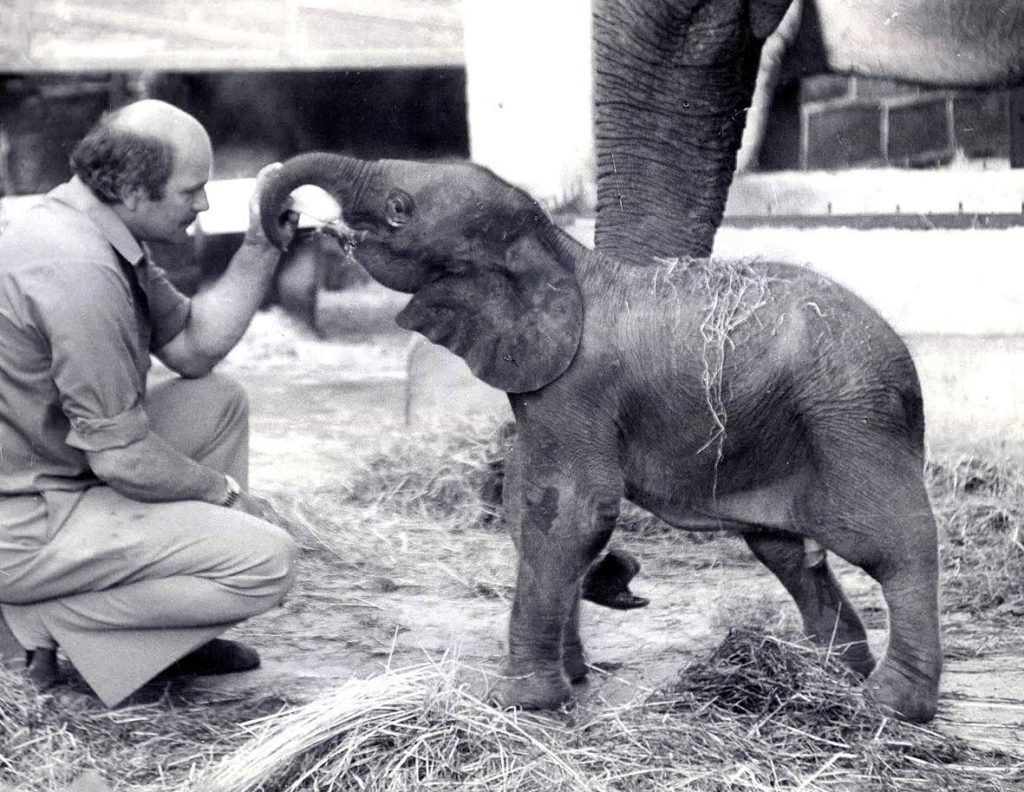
127, 537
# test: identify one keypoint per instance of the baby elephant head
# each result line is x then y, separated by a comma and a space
491, 277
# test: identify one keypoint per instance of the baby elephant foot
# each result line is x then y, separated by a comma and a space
530, 691
909, 697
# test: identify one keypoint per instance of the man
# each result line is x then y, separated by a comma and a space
127, 538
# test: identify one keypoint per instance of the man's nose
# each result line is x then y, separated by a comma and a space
200, 204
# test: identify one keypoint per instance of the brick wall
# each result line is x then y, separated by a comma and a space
853, 121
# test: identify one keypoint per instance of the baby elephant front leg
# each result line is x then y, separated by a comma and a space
554, 552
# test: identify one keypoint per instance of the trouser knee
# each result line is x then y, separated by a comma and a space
229, 394
285, 558
206, 418
271, 571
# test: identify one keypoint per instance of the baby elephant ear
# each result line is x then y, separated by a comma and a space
516, 322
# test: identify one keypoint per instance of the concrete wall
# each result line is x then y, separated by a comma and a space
529, 95
877, 191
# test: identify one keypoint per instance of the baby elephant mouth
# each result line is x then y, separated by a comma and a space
347, 236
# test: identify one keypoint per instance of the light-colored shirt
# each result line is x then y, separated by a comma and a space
81, 308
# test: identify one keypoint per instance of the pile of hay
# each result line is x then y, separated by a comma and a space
47, 741
774, 712
762, 712
413, 729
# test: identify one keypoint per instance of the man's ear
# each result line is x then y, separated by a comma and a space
131, 197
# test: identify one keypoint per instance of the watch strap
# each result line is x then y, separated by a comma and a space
234, 492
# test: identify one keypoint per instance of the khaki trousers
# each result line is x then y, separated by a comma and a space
125, 588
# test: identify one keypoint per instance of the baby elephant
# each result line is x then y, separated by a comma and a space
757, 397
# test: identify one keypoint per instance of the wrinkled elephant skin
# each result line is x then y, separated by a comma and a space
758, 397
942, 42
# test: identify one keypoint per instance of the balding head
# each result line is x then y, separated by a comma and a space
136, 147
158, 119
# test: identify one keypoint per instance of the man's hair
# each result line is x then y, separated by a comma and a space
112, 159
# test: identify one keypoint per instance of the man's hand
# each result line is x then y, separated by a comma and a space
250, 504
289, 221
260, 507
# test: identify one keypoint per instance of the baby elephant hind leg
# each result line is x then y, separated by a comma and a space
828, 617
574, 659
879, 518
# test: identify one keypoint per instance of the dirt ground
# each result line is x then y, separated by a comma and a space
320, 408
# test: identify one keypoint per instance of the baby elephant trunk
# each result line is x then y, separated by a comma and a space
337, 175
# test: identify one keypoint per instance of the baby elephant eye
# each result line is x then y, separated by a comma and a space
398, 209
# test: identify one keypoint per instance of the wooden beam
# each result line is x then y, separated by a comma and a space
69, 35
14, 32
56, 17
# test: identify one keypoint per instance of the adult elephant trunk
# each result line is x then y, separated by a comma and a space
673, 81
340, 176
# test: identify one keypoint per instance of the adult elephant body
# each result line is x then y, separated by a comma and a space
758, 397
674, 79
940, 42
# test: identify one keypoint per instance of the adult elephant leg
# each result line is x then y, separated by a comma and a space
874, 511
673, 81
829, 618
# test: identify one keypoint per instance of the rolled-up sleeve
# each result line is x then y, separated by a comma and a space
117, 431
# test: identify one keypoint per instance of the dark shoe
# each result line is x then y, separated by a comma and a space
41, 668
219, 656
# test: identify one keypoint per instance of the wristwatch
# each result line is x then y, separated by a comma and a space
234, 490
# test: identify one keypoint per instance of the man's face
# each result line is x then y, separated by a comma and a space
166, 219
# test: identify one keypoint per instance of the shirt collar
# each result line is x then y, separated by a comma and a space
77, 195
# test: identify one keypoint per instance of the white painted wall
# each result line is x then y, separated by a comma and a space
529, 92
